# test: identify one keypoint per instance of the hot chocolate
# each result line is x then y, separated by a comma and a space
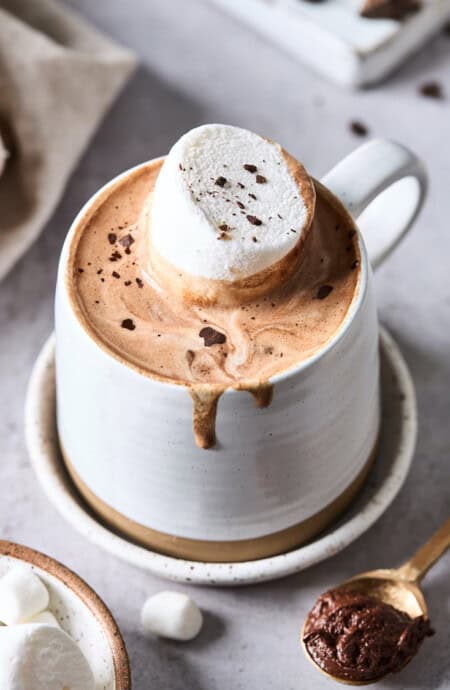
210, 345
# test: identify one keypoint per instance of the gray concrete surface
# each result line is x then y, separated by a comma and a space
198, 65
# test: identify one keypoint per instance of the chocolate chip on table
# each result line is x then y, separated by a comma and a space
260, 179
389, 9
358, 128
128, 324
221, 181
324, 291
250, 168
254, 220
211, 336
112, 238
432, 89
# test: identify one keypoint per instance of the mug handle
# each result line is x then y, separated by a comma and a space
384, 186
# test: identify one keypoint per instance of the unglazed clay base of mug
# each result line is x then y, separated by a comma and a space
223, 551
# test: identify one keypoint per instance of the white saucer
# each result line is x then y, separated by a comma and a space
397, 444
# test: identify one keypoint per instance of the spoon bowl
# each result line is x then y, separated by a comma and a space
397, 587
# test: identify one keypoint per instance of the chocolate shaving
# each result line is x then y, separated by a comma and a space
140, 283
240, 204
211, 336
115, 274
260, 179
112, 238
115, 256
127, 241
190, 356
432, 89
242, 186
250, 168
358, 128
128, 324
221, 181
389, 9
254, 220
224, 227
252, 196
324, 291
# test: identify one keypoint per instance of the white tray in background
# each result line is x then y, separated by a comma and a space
332, 37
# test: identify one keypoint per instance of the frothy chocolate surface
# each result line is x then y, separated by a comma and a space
356, 637
207, 348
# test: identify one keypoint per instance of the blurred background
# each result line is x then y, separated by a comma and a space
199, 63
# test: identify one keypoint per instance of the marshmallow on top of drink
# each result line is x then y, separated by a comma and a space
229, 208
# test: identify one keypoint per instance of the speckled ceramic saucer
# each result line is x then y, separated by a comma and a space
396, 448
80, 612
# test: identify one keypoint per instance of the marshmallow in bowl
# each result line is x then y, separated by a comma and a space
41, 657
22, 596
228, 204
173, 615
46, 617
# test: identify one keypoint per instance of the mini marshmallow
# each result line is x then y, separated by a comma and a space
228, 204
46, 617
41, 657
22, 596
173, 615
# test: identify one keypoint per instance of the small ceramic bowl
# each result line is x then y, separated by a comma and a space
80, 612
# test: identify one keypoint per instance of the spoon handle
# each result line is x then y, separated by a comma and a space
415, 569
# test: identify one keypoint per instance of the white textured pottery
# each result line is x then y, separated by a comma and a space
129, 437
80, 613
332, 38
396, 449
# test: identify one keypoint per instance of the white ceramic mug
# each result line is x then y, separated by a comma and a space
277, 476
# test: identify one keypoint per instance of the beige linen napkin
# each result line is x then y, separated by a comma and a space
58, 76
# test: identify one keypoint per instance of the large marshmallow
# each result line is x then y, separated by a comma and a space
192, 204
22, 596
173, 615
41, 657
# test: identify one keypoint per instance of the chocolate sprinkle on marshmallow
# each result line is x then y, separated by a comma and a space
128, 324
127, 241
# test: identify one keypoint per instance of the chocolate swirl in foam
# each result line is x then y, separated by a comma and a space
207, 348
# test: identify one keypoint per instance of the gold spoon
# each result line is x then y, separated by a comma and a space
398, 587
